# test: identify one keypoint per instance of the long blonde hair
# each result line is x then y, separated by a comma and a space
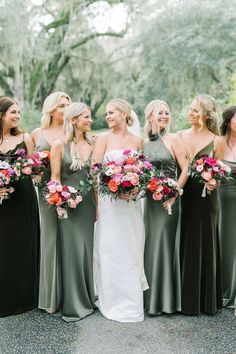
49, 105
207, 106
124, 107
74, 110
153, 108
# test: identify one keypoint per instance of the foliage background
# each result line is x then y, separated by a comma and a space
171, 50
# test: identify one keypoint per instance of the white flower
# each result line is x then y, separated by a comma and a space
4, 165
72, 189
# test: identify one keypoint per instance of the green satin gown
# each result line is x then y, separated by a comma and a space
227, 198
76, 248
49, 298
199, 248
161, 255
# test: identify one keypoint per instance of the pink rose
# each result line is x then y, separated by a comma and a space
147, 165
212, 182
134, 179
72, 203
27, 170
157, 196
117, 178
199, 168
126, 152
207, 176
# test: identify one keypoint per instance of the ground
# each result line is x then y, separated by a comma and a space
36, 332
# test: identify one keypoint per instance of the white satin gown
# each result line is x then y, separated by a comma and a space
118, 257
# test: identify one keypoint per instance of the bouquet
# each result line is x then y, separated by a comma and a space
124, 177
161, 187
61, 197
209, 170
7, 176
34, 165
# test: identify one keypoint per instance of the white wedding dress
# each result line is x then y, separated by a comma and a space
118, 257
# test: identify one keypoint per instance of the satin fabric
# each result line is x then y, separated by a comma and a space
199, 248
49, 288
118, 257
162, 240
76, 248
227, 231
19, 246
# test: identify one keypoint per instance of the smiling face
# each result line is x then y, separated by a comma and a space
114, 117
160, 118
12, 117
83, 121
57, 114
194, 115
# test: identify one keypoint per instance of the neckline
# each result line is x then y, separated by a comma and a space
5, 153
160, 138
132, 150
204, 147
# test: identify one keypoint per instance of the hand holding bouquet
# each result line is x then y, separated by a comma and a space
122, 179
209, 171
61, 197
163, 188
7, 176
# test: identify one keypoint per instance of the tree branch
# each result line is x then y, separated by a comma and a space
96, 35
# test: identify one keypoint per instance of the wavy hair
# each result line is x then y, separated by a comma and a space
207, 108
227, 116
49, 105
153, 108
5, 104
74, 110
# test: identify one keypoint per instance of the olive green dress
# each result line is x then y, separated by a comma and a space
199, 248
227, 230
19, 245
76, 248
161, 255
49, 298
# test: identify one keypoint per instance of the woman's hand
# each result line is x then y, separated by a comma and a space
37, 179
212, 184
130, 195
4, 192
168, 204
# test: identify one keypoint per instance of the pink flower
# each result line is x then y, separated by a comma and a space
157, 196
211, 161
59, 188
199, 168
27, 170
212, 182
147, 165
126, 152
207, 176
65, 195
134, 179
72, 203
117, 170
117, 178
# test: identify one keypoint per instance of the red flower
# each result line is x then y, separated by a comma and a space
112, 186
126, 184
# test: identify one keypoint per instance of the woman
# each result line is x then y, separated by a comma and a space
19, 222
70, 161
161, 257
226, 150
119, 237
199, 244
43, 137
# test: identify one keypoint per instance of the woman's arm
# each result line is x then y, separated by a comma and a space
36, 135
181, 158
56, 155
99, 148
29, 143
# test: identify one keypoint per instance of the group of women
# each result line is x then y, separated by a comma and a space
137, 257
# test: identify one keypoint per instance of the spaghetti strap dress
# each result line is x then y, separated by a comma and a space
49, 289
76, 247
19, 245
199, 248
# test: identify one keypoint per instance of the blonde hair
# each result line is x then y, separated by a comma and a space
124, 107
207, 106
74, 110
153, 108
49, 105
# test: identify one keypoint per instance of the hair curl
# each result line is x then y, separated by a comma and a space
227, 116
207, 109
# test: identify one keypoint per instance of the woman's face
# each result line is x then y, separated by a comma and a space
233, 124
12, 117
194, 115
161, 118
83, 121
57, 114
113, 116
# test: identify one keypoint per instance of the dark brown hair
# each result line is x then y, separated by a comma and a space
227, 116
5, 104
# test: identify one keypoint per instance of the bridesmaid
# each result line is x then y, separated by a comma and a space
43, 137
161, 255
19, 236
70, 161
199, 244
226, 150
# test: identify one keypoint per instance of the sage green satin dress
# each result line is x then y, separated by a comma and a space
49, 298
76, 248
161, 255
199, 248
227, 230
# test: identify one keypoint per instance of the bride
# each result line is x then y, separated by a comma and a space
119, 237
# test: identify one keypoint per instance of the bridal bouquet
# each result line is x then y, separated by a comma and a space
34, 165
161, 187
61, 197
209, 170
118, 178
7, 176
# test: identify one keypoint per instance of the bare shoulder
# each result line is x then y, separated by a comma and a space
27, 138
102, 138
58, 144
36, 132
